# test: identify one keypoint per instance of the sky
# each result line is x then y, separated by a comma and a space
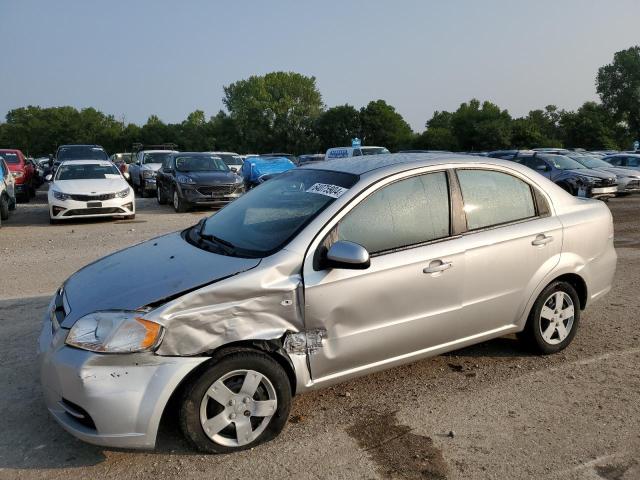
140, 57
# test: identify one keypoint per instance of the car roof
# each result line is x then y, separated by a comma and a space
396, 161
87, 162
223, 153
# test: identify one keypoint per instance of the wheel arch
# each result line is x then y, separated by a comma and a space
578, 283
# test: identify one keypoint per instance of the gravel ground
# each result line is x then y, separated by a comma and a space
489, 411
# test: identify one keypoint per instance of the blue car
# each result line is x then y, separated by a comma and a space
257, 170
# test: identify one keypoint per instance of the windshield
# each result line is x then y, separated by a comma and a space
230, 158
81, 153
373, 150
122, 157
563, 163
155, 157
591, 162
10, 157
80, 171
266, 218
200, 163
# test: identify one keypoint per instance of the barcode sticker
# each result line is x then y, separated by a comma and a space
333, 191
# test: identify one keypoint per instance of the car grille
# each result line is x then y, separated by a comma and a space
93, 211
217, 190
605, 182
633, 184
92, 198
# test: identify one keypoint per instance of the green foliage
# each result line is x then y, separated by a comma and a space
275, 112
337, 126
618, 85
590, 127
381, 125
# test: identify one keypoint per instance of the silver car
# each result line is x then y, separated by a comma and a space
324, 273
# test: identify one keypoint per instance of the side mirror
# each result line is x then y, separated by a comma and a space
48, 177
349, 255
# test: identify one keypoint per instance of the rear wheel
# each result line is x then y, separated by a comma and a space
143, 192
553, 320
239, 402
53, 221
4, 207
160, 196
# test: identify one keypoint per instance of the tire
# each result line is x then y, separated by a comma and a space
232, 408
159, 196
4, 207
545, 317
179, 205
53, 221
12, 204
143, 192
32, 191
25, 197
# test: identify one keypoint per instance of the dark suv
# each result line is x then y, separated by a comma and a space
192, 178
79, 152
570, 175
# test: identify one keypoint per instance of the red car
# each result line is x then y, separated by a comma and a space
22, 171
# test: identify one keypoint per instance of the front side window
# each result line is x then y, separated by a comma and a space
493, 198
404, 213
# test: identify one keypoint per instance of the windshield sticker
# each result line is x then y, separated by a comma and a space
325, 189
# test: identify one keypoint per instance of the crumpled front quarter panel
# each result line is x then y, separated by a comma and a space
261, 304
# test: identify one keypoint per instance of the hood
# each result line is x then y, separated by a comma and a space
146, 273
622, 172
90, 187
211, 178
589, 172
151, 166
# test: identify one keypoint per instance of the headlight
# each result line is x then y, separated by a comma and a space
60, 195
185, 179
115, 332
588, 180
148, 173
17, 174
123, 193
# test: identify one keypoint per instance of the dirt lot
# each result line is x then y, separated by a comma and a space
490, 411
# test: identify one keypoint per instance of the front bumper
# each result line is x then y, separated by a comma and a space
68, 209
193, 195
604, 192
149, 183
631, 185
21, 189
113, 400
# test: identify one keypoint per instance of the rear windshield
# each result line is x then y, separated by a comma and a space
87, 172
563, 163
373, 150
200, 163
10, 157
155, 157
229, 158
81, 153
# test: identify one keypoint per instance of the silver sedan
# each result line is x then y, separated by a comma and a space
325, 273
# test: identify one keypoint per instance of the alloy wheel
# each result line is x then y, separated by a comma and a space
237, 408
556, 318
176, 200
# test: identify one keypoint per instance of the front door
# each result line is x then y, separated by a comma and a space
407, 300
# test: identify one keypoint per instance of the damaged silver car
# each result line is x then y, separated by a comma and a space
325, 273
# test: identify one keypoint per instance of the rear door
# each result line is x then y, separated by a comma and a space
408, 299
513, 241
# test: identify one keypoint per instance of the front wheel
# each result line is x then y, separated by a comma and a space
237, 403
179, 204
160, 196
4, 208
143, 191
553, 320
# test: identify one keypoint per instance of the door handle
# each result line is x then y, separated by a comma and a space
436, 266
542, 239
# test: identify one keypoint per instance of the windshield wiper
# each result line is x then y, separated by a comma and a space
226, 246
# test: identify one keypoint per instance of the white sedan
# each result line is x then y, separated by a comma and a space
91, 188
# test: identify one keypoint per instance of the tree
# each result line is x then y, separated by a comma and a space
225, 133
618, 85
481, 127
337, 126
276, 111
381, 125
591, 127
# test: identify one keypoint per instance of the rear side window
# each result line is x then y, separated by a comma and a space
404, 213
633, 162
493, 198
616, 161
